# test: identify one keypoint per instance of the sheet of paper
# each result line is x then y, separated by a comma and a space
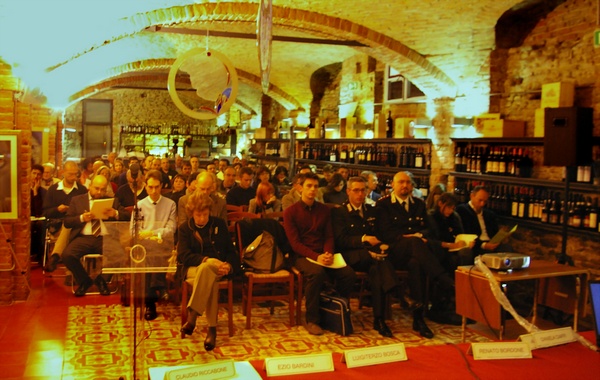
503, 234
99, 205
338, 261
467, 238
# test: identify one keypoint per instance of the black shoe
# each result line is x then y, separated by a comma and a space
150, 313
420, 327
187, 329
102, 287
83, 288
211, 339
383, 329
53, 263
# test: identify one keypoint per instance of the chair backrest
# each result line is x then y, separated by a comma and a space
234, 208
246, 230
233, 217
274, 215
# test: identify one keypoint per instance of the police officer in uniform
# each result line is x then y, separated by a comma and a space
401, 222
354, 233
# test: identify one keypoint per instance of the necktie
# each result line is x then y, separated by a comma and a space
405, 206
96, 227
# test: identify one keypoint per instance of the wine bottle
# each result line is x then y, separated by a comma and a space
389, 132
594, 215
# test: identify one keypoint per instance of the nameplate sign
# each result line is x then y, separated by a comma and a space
361, 357
295, 365
501, 350
549, 338
222, 369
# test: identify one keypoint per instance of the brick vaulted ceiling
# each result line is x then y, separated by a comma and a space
72, 49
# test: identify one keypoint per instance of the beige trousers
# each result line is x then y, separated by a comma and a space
205, 293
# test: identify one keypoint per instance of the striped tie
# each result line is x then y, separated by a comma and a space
96, 227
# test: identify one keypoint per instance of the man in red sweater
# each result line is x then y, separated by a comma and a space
308, 228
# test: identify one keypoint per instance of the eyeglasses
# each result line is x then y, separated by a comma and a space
361, 190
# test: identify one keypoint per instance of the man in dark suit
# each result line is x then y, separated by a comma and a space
478, 220
56, 204
86, 234
401, 223
354, 233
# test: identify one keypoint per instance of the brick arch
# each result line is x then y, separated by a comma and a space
430, 79
275, 92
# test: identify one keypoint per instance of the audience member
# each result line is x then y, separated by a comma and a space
128, 193
86, 234
265, 201
280, 178
223, 164
133, 162
165, 167
117, 169
355, 237
147, 164
481, 221
206, 251
334, 191
157, 222
308, 228
105, 171
295, 194
38, 193
178, 188
372, 184
228, 182
110, 158
186, 168
48, 178
87, 170
56, 204
328, 172
401, 221
241, 195
178, 163
434, 195
195, 165
205, 184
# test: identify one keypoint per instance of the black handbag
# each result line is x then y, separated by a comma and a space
335, 314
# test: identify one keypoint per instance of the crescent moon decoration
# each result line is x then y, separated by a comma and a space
225, 98
264, 35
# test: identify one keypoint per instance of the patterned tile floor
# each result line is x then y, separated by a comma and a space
55, 335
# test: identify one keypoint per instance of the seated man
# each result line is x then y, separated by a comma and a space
295, 193
86, 234
401, 222
241, 195
158, 222
205, 184
308, 228
478, 220
354, 231
56, 204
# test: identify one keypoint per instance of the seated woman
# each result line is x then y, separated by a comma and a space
281, 181
265, 201
444, 225
105, 171
205, 249
334, 191
177, 188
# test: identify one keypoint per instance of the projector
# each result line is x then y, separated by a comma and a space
505, 260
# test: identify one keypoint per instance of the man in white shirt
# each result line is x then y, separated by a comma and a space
156, 233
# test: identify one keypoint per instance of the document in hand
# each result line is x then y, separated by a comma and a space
98, 206
503, 234
338, 261
467, 238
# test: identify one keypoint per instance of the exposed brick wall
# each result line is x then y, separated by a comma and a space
14, 115
559, 48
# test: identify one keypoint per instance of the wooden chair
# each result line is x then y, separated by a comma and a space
225, 284
274, 215
267, 283
233, 208
235, 216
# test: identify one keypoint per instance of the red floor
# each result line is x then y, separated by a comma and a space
32, 332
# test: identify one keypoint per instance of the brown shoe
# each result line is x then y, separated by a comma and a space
314, 329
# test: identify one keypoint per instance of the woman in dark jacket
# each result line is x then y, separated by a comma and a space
334, 191
206, 250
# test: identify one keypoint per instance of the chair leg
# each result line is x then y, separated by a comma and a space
230, 307
291, 299
184, 301
299, 299
249, 303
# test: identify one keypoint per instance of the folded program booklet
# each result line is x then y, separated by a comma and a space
98, 207
338, 261
503, 234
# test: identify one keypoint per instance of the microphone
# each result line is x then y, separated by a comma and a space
135, 170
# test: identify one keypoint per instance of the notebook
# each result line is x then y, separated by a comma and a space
595, 295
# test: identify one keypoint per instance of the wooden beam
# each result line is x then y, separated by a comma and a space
251, 36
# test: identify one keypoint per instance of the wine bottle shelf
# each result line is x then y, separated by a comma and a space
386, 169
546, 227
557, 185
